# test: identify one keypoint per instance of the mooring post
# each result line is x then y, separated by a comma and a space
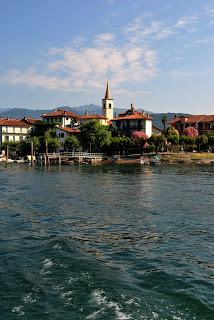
31, 155
7, 153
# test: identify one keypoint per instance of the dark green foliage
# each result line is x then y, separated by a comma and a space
94, 136
71, 143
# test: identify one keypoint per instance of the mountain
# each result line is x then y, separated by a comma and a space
90, 108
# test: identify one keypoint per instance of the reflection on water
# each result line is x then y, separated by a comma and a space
107, 242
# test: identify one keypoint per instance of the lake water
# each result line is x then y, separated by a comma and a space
107, 242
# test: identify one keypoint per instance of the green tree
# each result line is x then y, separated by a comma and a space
120, 145
201, 142
25, 145
157, 140
171, 131
94, 136
164, 121
71, 143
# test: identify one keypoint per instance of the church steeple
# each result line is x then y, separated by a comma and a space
108, 93
108, 104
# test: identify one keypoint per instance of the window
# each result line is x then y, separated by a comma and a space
61, 135
14, 138
20, 129
104, 105
6, 138
20, 138
14, 129
109, 105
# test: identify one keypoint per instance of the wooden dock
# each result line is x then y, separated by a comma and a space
60, 158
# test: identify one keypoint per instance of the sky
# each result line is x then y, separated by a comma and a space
157, 54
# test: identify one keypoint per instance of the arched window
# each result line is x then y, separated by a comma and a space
109, 105
104, 105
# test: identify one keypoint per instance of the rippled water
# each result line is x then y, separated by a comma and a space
104, 242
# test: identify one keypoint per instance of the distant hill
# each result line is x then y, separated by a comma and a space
90, 108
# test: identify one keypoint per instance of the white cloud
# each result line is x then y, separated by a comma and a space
142, 29
126, 58
32, 79
187, 22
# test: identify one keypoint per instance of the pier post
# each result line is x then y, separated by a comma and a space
7, 153
31, 156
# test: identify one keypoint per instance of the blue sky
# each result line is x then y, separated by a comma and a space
158, 54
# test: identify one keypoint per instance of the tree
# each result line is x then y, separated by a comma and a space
191, 132
95, 135
164, 121
157, 140
139, 138
25, 145
201, 142
71, 142
171, 131
120, 145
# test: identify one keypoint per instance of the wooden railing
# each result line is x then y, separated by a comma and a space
73, 154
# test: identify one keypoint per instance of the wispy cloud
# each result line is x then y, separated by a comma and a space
75, 68
125, 58
187, 22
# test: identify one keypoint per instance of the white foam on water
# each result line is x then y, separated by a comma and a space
19, 310
101, 299
47, 264
71, 280
28, 298
95, 314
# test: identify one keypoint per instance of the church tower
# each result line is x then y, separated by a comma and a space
108, 104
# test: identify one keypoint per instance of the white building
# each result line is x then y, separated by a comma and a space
63, 132
61, 117
133, 120
13, 130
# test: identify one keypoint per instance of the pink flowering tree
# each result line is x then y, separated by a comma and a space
191, 132
139, 138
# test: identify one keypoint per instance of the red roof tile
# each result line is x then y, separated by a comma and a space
93, 116
193, 119
13, 123
69, 130
132, 117
60, 113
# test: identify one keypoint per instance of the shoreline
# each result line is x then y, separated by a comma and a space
204, 158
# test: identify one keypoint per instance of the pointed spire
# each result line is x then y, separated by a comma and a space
108, 93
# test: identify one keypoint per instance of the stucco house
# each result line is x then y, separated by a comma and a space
133, 120
203, 123
13, 130
63, 132
61, 117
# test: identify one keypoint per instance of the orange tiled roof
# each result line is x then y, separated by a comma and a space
193, 119
60, 113
69, 130
32, 120
133, 117
93, 116
13, 123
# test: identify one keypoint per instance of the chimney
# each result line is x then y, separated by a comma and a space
147, 115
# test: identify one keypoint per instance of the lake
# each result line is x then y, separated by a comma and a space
107, 242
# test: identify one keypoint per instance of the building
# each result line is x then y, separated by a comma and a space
133, 120
108, 104
98, 117
203, 123
13, 130
156, 130
61, 117
107, 110
63, 132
